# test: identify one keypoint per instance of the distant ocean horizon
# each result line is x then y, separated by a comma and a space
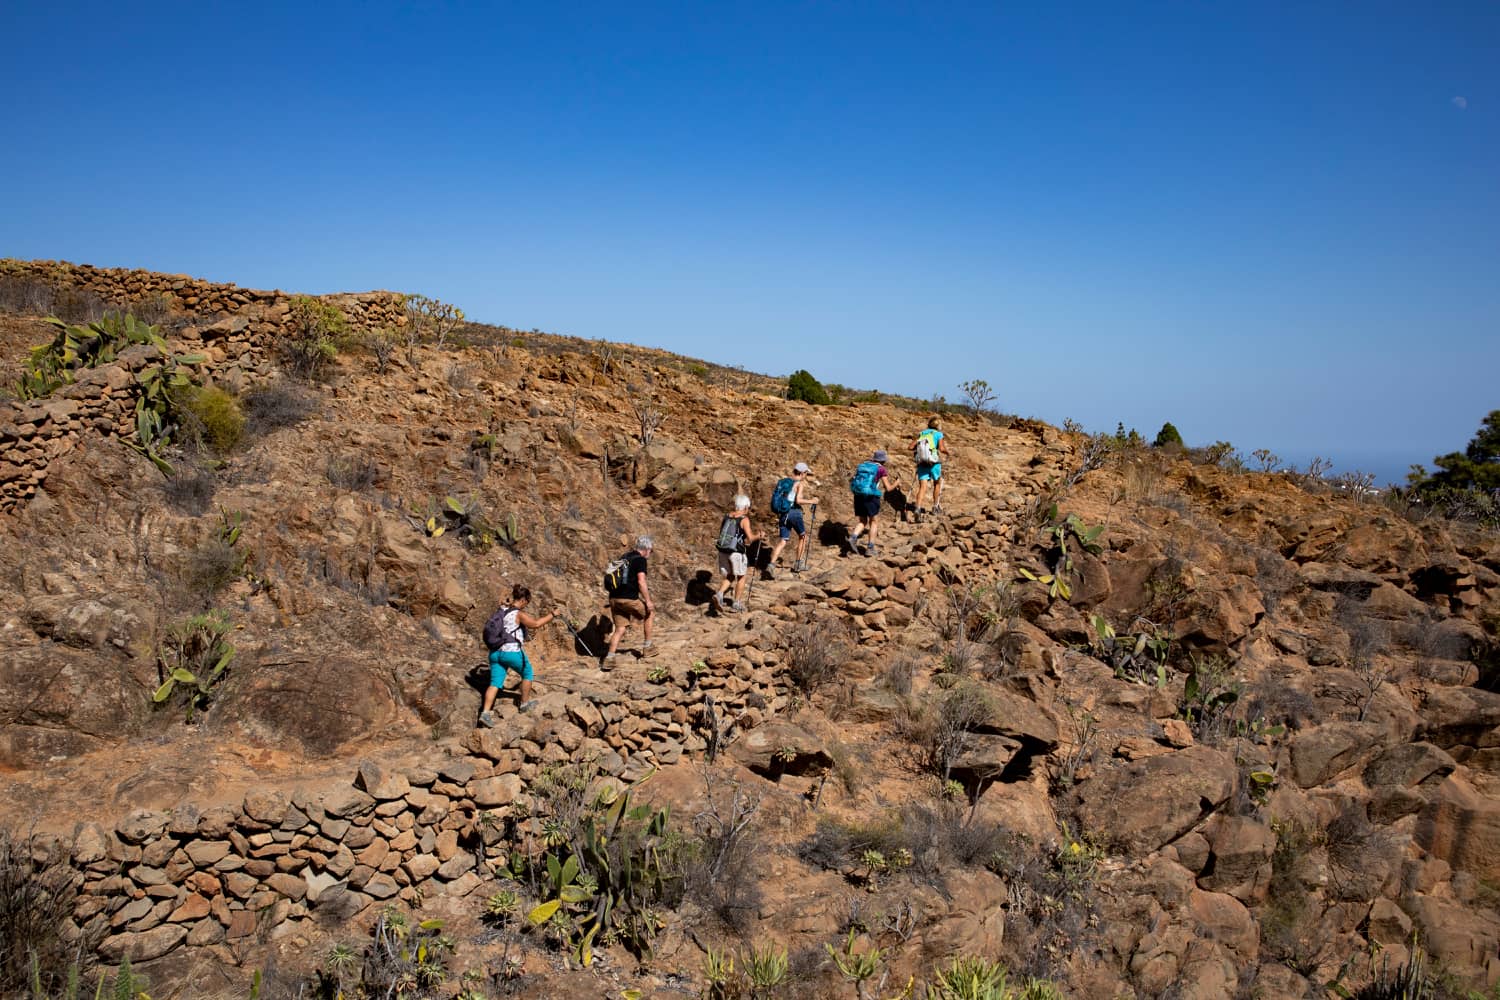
1388, 469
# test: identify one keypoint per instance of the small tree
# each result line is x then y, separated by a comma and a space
1476, 467
429, 320
1167, 437
647, 410
803, 386
979, 394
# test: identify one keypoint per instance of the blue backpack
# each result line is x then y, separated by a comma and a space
863, 482
781, 497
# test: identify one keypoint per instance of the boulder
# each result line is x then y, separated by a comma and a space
381, 785
1461, 825
143, 946
782, 747
983, 757
1462, 716
1148, 803
1322, 752
1408, 764
320, 704
1239, 861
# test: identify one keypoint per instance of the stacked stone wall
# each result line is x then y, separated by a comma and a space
233, 874
236, 329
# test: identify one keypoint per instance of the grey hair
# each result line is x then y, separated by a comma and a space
643, 543
742, 502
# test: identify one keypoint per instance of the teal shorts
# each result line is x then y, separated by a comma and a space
930, 471
500, 662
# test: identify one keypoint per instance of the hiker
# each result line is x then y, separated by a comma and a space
735, 531
929, 449
788, 501
630, 598
868, 485
505, 635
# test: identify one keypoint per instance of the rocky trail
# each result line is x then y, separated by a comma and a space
1253, 733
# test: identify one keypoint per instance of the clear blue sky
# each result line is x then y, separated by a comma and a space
1273, 224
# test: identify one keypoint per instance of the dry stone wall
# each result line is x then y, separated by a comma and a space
229, 875
236, 329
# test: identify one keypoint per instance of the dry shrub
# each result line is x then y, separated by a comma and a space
722, 876
816, 652
276, 406
38, 891
897, 674
190, 488
1360, 854
209, 567
937, 838
352, 472
939, 726
1142, 474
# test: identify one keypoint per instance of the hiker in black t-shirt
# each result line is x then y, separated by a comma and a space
631, 601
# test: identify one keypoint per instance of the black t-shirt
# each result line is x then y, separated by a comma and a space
630, 590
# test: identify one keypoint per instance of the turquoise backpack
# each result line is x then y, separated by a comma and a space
863, 482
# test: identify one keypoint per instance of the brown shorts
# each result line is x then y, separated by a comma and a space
628, 609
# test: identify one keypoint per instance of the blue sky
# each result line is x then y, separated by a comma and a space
1273, 224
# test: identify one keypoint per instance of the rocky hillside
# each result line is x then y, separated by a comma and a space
1242, 729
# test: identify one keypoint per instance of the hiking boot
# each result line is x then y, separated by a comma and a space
870, 551
769, 573
487, 720
737, 606
937, 510
719, 602
527, 706
607, 661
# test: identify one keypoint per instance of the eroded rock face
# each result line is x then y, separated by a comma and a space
61, 702
1462, 826
1148, 803
320, 705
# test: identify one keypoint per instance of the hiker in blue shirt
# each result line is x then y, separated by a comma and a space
869, 485
929, 449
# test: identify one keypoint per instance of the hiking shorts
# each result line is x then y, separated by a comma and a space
930, 471
867, 505
502, 661
792, 521
627, 608
733, 564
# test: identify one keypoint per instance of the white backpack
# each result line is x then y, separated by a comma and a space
927, 449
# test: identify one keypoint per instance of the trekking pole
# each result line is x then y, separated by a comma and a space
807, 539
750, 572
577, 637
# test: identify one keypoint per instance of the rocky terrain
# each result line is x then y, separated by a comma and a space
1251, 740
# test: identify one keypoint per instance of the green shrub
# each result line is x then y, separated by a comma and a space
1167, 437
75, 348
404, 958
803, 386
316, 328
608, 869
193, 660
211, 416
